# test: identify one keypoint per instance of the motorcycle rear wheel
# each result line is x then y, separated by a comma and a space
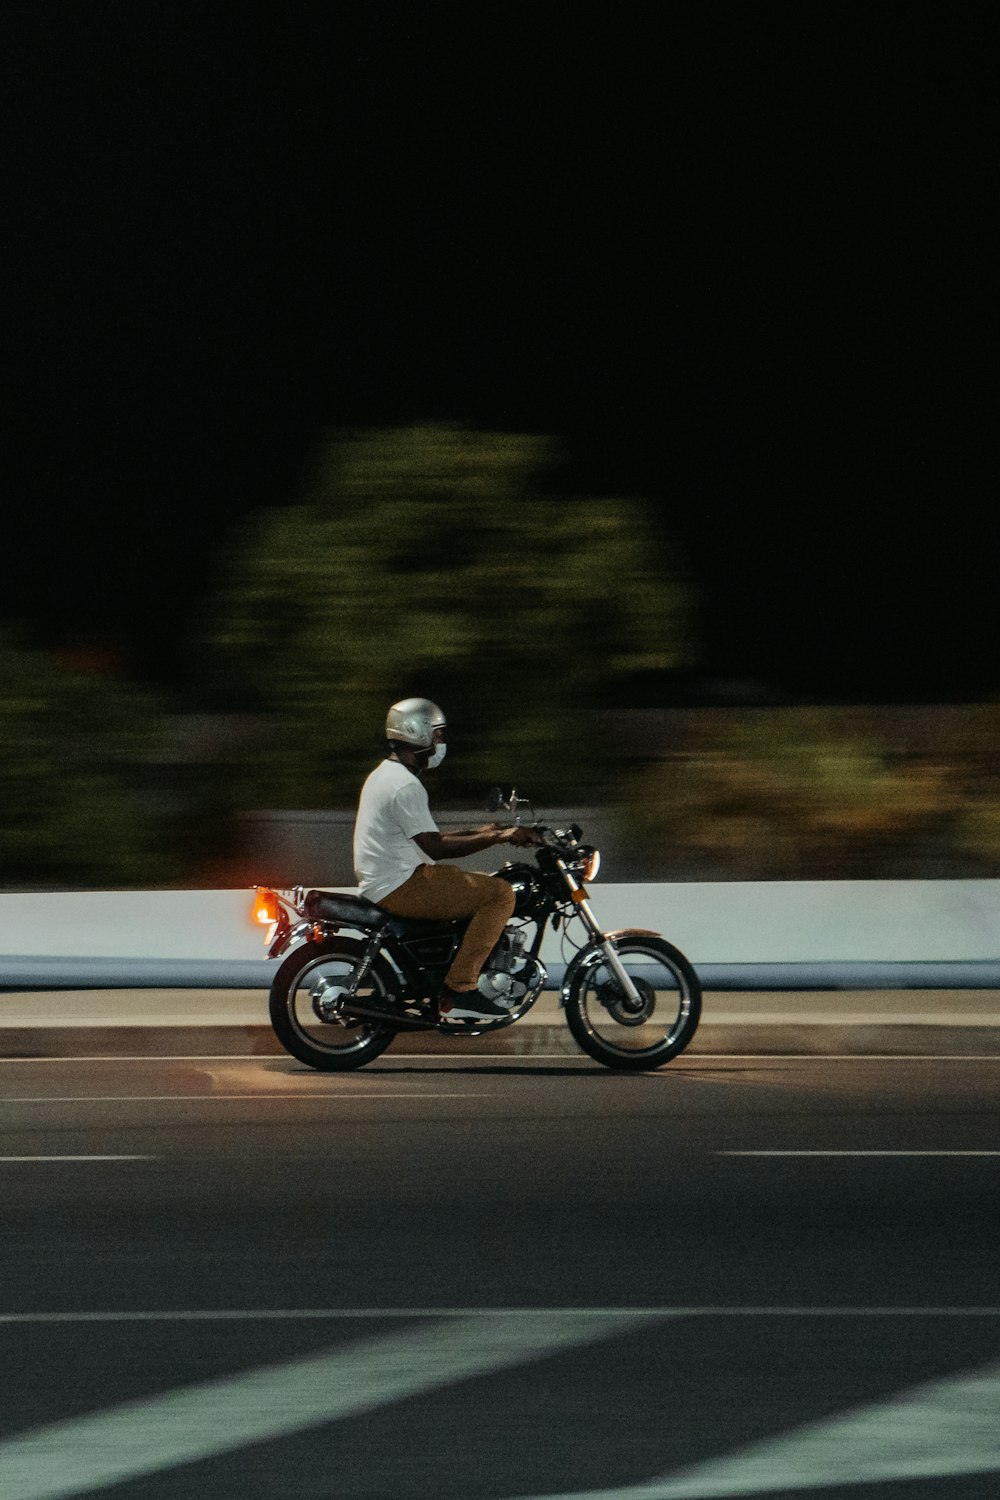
327, 1045
606, 1024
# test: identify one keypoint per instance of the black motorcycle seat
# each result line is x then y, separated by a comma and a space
335, 906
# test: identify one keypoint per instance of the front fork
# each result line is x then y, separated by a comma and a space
582, 903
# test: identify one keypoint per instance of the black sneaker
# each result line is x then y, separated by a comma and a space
468, 1005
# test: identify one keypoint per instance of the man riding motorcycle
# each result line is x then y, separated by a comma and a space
397, 845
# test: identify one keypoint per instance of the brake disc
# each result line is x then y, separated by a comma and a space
623, 1010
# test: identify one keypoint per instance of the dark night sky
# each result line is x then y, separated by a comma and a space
734, 256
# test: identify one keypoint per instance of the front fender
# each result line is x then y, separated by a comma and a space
633, 932
594, 953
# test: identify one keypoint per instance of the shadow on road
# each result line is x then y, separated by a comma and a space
524, 1070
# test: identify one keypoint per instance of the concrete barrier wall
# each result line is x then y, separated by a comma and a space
719, 926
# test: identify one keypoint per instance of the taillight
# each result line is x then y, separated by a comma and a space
266, 907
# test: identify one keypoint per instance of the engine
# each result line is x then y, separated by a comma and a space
505, 962
506, 956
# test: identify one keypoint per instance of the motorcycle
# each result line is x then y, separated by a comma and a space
355, 976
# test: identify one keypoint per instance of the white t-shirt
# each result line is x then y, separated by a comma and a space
392, 808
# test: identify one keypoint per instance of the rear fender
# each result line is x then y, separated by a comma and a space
288, 937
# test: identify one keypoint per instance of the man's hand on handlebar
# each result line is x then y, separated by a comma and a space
503, 833
522, 838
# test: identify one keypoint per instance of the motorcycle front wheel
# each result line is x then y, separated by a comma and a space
308, 976
620, 1032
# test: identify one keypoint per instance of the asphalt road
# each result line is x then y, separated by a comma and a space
500, 1278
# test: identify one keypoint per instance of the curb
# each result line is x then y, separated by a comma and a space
734, 1039
27, 973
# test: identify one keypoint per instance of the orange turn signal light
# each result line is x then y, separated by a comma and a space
266, 908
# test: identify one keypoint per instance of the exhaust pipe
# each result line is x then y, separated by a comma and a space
374, 1013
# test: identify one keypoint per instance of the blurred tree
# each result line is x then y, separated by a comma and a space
977, 834
790, 794
432, 560
80, 805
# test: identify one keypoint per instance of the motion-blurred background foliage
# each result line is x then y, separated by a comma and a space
440, 561
436, 561
812, 793
83, 798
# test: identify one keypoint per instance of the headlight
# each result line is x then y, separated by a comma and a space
592, 865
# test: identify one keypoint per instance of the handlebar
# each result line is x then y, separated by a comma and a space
558, 838
551, 838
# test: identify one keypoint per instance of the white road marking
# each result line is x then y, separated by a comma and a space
147, 1057
820, 1058
209, 1097
263, 1059
857, 1153
465, 1059
941, 1429
252, 1314
199, 1421
77, 1158
959, 1018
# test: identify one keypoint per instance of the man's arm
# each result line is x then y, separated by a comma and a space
471, 840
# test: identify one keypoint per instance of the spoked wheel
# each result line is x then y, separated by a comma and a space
303, 1006
622, 1032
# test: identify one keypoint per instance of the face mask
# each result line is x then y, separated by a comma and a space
440, 751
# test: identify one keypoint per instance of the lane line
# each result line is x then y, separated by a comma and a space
314, 1098
77, 1158
857, 1153
157, 1057
825, 1057
292, 1314
468, 1059
217, 1416
941, 1429
858, 1018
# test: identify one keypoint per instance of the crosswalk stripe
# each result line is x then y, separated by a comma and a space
199, 1421
945, 1428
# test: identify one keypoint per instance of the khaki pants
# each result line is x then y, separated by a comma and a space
440, 891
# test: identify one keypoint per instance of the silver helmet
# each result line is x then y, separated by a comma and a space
413, 721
